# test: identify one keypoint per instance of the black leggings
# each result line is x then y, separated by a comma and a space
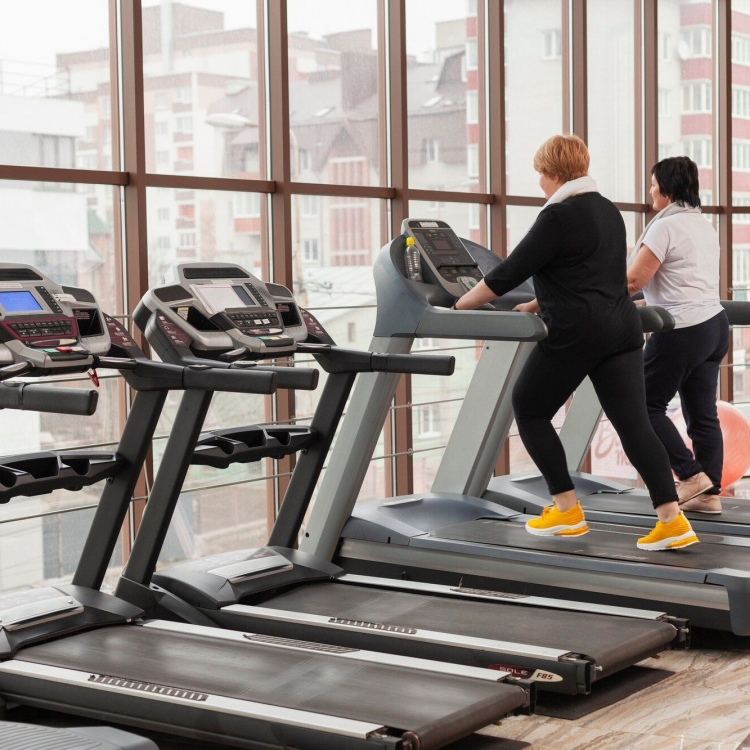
687, 361
546, 383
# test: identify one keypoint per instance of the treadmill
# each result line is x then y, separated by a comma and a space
75, 649
283, 592
604, 500
451, 534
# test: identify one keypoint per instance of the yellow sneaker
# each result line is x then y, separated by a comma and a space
676, 534
554, 522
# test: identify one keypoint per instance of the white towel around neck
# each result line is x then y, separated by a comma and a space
570, 188
670, 210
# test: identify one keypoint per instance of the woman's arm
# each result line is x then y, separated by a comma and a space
645, 265
478, 296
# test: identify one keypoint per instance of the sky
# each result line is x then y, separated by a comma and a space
33, 31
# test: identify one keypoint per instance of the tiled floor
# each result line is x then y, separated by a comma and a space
705, 705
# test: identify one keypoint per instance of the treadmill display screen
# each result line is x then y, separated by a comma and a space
442, 246
19, 302
220, 297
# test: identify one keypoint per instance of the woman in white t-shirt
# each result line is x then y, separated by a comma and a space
677, 266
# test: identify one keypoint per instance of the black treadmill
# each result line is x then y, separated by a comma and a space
452, 534
280, 591
74, 649
607, 501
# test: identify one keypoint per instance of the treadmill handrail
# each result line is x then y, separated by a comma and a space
489, 325
655, 318
738, 311
46, 398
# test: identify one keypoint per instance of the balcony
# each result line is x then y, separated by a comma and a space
183, 165
182, 137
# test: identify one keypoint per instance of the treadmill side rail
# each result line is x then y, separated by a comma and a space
215, 703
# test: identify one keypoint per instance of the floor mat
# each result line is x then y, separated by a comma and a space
606, 693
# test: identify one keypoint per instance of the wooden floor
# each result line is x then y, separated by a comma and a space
705, 705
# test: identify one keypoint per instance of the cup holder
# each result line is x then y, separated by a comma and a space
81, 466
40, 468
8, 478
283, 437
251, 438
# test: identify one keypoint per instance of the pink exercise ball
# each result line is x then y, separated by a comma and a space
735, 428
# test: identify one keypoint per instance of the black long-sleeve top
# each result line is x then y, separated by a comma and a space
576, 252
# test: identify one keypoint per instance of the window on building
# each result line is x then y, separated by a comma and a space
696, 97
695, 41
428, 421
187, 239
161, 100
87, 161
310, 205
183, 94
665, 46
472, 151
351, 332
434, 206
740, 101
471, 7
741, 155
665, 102
424, 343
246, 205
162, 127
162, 214
472, 107
431, 149
310, 251
552, 44
699, 150
184, 125
91, 133
474, 214
741, 49
665, 151
162, 157
471, 54
163, 243
740, 199
304, 159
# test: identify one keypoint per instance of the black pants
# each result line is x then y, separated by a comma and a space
546, 383
686, 361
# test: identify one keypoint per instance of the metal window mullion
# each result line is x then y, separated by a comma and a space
723, 74
135, 255
281, 235
579, 68
399, 432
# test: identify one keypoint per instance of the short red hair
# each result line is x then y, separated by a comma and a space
563, 156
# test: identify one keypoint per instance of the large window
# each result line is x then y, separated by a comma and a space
306, 194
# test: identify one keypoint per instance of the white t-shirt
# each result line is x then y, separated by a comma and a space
687, 282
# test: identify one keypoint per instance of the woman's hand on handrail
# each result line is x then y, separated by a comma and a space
528, 307
480, 295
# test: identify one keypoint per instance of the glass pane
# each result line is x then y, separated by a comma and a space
45, 550
218, 519
608, 458
467, 219
741, 291
204, 225
520, 219
611, 98
686, 78
436, 404
533, 79
333, 91
442, 78
55, 106
72, 239
201, 88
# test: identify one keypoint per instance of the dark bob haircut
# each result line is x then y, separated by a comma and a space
678, 180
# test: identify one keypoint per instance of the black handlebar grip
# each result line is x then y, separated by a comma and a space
738, 312
45, 398
206, 378
415, 364
655, 319
293, 378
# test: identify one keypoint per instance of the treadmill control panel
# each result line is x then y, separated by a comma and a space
442, 252
56, 328
220, 311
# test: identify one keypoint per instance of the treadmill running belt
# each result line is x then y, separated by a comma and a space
314, 681
612, 545
734, 510
606, 639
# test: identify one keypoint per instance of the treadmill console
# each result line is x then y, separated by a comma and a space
220, 311
443, 253
56, 328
